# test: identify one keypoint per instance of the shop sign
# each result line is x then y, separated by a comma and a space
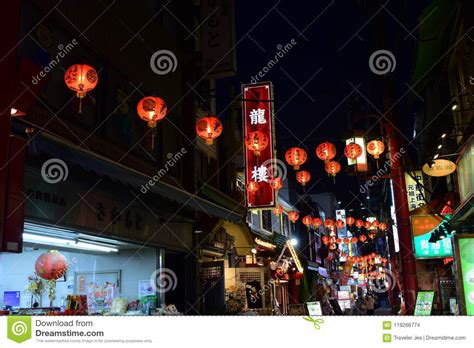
466, 171
258, 116
217, 38
439, 167
415, 191
465, 263
342, 233
361, 161
314, 308
422, 227
424, 303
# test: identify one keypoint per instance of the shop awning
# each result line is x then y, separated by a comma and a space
117, 172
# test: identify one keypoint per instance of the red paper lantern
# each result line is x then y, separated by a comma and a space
256, 142
51, 265
276, 183
278, 210
328, 223
317, 222
208, 128
307, 221
252, 186
383, 226
332, 168
298, 275
372, 235
339, 224
325, 240
346, 240
152, 110
332, 239
363, 238
332, 246
303, 177
350, 221
326, 151
81, 78
293, 216
295, 157
367, 225
375, 148
354, 240
338, 240
359, 223
375, 224
352, 151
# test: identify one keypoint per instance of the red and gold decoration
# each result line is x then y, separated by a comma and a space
367, 225
375, 148
352, 151
152, 110
296, 157
81, 78
317, 222
359, 223
383, 226
350, 221
293, 216
326, 151
363, 238
276, 183
340, 224
278, 210
332, 168
259, 152
51, 265
208, 128
328, 223
325, 240
256, 142
303, 177
307, 221
253, 187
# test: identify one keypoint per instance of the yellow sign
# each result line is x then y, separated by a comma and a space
415, 191
440, 167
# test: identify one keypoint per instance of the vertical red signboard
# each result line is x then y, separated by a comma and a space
258, 127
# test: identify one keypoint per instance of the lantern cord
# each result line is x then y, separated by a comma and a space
153, 133
80, 105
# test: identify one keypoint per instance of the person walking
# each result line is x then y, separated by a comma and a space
370, 303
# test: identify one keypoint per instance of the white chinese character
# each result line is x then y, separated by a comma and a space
424, 244
260, 174
257, 116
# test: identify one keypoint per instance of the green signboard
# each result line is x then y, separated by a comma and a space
423, 226
466, 272
424, 302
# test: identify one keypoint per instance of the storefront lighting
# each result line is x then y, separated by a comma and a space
440, 146
294, 241
96, 247
253, 250
66, 243
443, 135
454, 106
294, 255
436, 156
13, 111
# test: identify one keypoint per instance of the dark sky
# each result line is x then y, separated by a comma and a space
314, 82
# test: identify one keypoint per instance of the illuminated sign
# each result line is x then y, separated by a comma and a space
465, 262
424, 302
422, 227
439, 167
258, 116
415, 191
360, 161
294, 255
342, 233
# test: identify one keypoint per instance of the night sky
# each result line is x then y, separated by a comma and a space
314, 82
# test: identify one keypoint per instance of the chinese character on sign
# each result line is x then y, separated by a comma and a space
257, 116
260, 174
